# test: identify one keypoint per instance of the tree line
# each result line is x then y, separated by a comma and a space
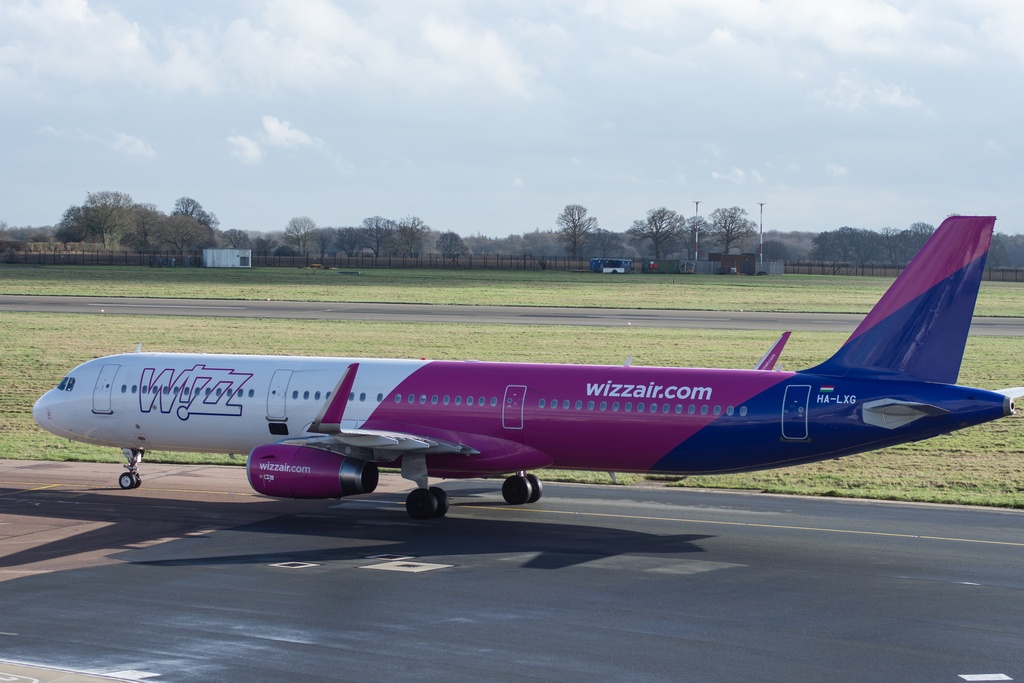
114, 221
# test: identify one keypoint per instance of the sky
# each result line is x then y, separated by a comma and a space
490, 117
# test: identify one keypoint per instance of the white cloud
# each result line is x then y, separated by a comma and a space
246, 150
853, 91
733, 175
836, 170
282, 134
131, 145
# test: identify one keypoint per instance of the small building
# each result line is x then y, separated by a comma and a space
227, 258
611, 265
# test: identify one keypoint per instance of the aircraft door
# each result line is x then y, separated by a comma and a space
512, 408
795, 406
277, 408
101, 392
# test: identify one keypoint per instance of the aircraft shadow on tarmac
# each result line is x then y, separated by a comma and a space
295, 531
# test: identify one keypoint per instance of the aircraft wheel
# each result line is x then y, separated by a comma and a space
538, 488
516, 490
137, 479
442, 500
126, 481
421, 504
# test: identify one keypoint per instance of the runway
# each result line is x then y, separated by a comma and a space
466, 314
195, 578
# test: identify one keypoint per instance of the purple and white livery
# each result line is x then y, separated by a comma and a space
319, 427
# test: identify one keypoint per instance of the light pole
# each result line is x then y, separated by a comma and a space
696, 231
761, 204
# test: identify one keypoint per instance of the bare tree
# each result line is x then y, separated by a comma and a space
238, 239
264, 244
661, 227
108, 216
452, 246
603, 243
181, 232
299, 232
146, 226
917, 234
380, 234
351, 240
186, 206
324, 240
410, 234
573, 227
729, 226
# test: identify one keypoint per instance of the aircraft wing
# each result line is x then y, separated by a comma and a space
367, 444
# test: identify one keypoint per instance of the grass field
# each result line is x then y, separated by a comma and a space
790, 293
982, 465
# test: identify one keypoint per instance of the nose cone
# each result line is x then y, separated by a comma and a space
40, 411
44, 412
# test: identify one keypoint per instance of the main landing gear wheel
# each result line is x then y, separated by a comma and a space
427, 503
441, 496
538, 488
517, 490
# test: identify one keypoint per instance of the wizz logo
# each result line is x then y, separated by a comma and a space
198, 390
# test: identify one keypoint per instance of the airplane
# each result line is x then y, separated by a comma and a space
321, 427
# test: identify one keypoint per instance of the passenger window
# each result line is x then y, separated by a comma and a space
295, 394
398, 398
469, 400
541, 403
743, 411
692, 409
679, 409
615, 406
305, 395
718, 410
124, 388
362, 396
380, 397
664, 409
458, 400
494, 401
481, 401
433, 400
604, 405
134, 388
565, 404
251, 392
704, 410
639, 407
316, 396
579, 404
423, 399
730, 410
590, 405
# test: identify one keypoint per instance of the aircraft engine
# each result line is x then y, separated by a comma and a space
291, 471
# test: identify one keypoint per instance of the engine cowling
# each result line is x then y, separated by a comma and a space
290, 471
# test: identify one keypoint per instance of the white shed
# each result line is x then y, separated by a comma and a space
227, 258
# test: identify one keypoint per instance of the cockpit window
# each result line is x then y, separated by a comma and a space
63, 383
66, 384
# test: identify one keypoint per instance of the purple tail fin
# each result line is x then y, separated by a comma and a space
918, 329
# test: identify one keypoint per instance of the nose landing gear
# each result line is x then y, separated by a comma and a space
131, 478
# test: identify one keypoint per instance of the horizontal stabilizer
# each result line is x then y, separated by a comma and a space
891, 413
771, 357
